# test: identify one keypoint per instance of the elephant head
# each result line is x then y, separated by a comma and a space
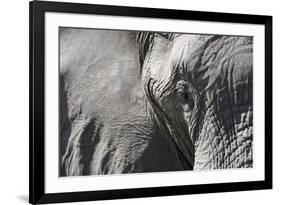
144, 101
200, 88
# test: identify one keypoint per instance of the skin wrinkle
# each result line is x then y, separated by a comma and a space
165, 124
152, 93
167, 86
228, 83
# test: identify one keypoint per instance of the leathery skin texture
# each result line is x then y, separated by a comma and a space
134, 102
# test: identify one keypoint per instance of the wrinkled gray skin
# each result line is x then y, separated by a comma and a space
106, 121
153, 104
201, 87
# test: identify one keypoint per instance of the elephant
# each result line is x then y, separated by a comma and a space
132, 101
200, 87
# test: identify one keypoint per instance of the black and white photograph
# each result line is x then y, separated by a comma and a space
149, 101
131, 102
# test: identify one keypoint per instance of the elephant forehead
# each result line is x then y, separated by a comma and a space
184, 46
206, 57
183, 40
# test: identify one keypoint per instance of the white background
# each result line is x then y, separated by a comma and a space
14, 100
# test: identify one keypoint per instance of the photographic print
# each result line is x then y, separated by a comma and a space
129, 102
147, 101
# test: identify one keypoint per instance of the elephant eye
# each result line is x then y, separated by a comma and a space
185, 93
188, 100
186, 97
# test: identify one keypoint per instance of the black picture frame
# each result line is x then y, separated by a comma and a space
37, 9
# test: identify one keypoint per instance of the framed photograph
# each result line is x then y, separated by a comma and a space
140, 102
